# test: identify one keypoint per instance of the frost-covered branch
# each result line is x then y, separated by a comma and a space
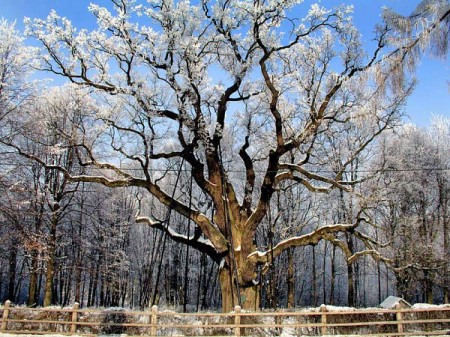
312, 238
195, 241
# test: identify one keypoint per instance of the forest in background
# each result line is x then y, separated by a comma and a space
289, 182
103, 258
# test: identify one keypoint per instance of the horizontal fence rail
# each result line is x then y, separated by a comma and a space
322, 321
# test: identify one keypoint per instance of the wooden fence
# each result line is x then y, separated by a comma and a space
313, 322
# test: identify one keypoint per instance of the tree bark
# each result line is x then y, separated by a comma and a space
48, 287
33, 285
445, 224
249, 295
290, 280
78, 279
350, 277
12, 270
49, 279
428, 287
314, 277
324, 274
333, 275
350, 286
79, 254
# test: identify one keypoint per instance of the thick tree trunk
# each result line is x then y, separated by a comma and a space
229, 300
249, 295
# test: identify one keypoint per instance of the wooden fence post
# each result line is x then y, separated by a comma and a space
154, 321
73, 326
237, 321
5, 316
323, 317
399, 318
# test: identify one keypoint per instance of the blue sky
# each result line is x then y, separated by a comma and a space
432, 95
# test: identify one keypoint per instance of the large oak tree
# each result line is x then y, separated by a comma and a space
251, 96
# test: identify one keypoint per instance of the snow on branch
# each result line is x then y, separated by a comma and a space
327, 233
312, 238
196, 241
